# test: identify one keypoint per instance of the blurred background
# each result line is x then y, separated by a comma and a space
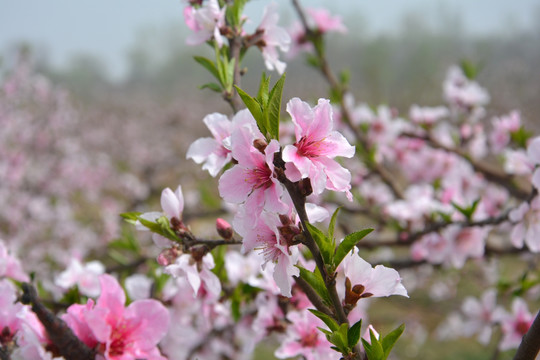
132, 87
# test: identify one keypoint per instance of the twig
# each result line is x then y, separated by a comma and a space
530, 345
67, 344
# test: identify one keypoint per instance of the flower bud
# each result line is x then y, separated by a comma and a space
224, 229
168, 256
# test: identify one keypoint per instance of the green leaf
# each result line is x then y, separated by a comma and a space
339, 338
354, 333
273, 110
390, 340
312, 60
374, 351
331, 323
323, 242
348, 243
254, 108
131, 217
521, 137
315, 280
262, 96
332, 225
229, 80
208, 65
469, 69
212, 86
161, 227
468, 212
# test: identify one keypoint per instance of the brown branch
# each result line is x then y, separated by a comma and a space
530, 344
67, 344
315, 299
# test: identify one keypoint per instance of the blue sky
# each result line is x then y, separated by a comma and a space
107, 28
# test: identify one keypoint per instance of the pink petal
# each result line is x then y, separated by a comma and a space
322, 123
112, 295
170, 204
533, 150
302, 116
232, 185
153, 322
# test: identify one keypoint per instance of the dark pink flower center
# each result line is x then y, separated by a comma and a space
310, 339
522, 327
259, 177
118, 339
308, 148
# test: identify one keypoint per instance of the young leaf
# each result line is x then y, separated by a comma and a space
208, 65
374, 351
323, 242
314, 279
131, 217
354, 333
253, 106
332, 225
339, 338
390, 340
262, 96
331, 323
212, 86
348, 243
273, 109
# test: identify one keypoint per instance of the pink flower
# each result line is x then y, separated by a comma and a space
366, 281
198, 273
273, 37
86, 277
212, 151
252, 180
274, 247
479, 316
503, 127
427, 115
462, 92
205, 22
533, 153
116, 332
172, 203
325, 22
527, 227
515, 325
10, 266
304, 338
312, 156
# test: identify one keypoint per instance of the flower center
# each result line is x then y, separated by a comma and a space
310, 339
308, 148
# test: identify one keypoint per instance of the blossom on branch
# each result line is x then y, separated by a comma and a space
273, 37
116, 332
205, 22
317, 144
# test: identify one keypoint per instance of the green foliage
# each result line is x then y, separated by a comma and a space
324, 243
315, 280
521, 137
329, 321
468, 212
348, 243
353, 336
266, 107
469, 69
380, 349
233, 14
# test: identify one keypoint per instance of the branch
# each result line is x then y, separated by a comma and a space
68, 345
530, 345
